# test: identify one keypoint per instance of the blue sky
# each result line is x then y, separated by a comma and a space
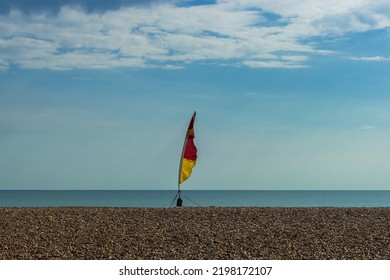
289, 94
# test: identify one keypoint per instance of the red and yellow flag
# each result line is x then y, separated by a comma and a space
188, 157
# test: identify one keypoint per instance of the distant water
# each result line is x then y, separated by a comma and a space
164, 198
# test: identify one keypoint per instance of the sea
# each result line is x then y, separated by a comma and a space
193, 198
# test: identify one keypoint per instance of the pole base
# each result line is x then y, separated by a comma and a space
179, 202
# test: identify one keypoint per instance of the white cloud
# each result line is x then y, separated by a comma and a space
371, 58
322, 17
367, 127
272, 64
169, 36
251, 93
3, 64
295, 58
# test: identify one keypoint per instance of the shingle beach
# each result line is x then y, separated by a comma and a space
194, 233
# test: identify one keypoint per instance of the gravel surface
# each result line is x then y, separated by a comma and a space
194, 233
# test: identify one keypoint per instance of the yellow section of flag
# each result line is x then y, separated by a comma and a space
186, 169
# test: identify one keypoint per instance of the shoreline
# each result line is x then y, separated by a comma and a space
195, 233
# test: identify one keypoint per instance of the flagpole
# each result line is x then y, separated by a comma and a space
181, 161
179, 200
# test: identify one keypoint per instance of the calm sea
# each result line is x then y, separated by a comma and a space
164, 198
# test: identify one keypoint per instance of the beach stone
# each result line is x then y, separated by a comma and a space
87, 233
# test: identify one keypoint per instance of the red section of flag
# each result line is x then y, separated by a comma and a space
190, 148
190, 151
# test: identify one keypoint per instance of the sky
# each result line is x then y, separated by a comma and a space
288, 94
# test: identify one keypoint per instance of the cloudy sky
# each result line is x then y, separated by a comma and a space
289, 94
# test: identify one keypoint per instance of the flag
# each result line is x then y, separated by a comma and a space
188, 157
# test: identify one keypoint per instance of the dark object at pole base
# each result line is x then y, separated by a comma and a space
179, 202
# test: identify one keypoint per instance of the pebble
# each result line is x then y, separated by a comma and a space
195, 233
